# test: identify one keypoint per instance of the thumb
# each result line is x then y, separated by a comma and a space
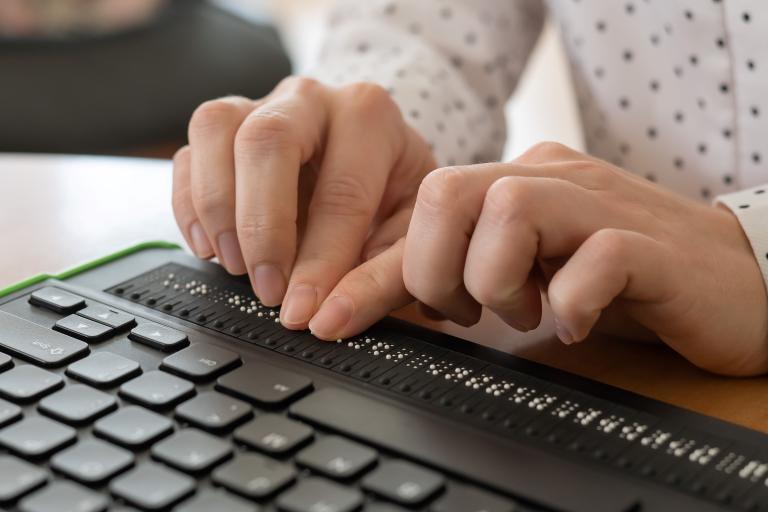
365, 295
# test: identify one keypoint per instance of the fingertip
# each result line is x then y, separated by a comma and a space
332, 318
231, 254
199, 241
299, 306
269, 284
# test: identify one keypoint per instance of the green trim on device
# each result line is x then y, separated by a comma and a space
89, 265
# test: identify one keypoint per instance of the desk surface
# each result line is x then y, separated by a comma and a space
56, 212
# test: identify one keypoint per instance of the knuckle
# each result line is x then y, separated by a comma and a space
270, 127
596, 174
212, 115
508, 200
301, 85
610, 246
343, 195
256, 226
440, 189
210, 201
543, 151
181, 156
485, 292
371, 100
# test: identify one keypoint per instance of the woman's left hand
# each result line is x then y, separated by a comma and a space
608, 248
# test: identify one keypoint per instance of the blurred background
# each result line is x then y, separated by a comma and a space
122, 77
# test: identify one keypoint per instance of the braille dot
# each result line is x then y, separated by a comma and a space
751, 65
651, 132
727, 133
654, 85
756, 158
724, 88
679, 163
655, 39
743, 206
630, 8
693, 59
755, 111
688, 15
627, 55
720, 42
624, 103
679, 117
727, 179
600, 26
702, 148
746, 17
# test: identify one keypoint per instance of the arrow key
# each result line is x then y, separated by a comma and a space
56, 300
159, 336
84, 329
112, 317
192, 451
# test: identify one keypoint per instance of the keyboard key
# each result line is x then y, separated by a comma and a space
208, 501
18, 478
84, 329
27, 383
213, 411
159, 336
459, 498
337, 457
8, 412
254, 476
192, 451
265, 385
92, 461
315, 494
201, 361
151, 486
5, 362
37, 344
117, 320
133, 426
62, 495
403, 482
77, 404
56, 300
36, 437
104, 369
157, 389
273, 434
383, 507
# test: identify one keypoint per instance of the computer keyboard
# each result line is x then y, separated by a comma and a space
157, 382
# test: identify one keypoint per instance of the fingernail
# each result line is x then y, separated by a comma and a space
299, 305
334, 314
200, 243
563, 333
231, 254
269, 284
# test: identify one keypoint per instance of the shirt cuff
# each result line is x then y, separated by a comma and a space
751, 208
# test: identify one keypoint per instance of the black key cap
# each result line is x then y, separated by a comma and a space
313, 494
151, 486
208, 501
77, 404
201, 361
133, 426
192, 451
157, 389
274, 434
469, 499
383, 507
56, 300
92, 461
104, 369
159, 336
5, 362
213, 411
114, 318
337, 457
36, 437
265, 385
18, 478
84, 329
27, 383
8, 412
62, 495
403, 482
36, 343
254, 476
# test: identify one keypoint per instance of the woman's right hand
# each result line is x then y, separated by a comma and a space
298, 189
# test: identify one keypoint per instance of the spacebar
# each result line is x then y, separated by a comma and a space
520, 470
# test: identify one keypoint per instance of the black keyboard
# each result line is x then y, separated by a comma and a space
159, 383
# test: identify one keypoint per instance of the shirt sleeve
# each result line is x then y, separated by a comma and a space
751, 208
449, 64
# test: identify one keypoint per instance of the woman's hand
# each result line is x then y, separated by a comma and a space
609, 249
298, 187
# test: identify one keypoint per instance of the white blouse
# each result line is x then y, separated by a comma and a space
673, 90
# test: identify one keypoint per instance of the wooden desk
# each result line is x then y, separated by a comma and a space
59, 211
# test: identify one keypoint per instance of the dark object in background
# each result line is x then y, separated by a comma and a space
102, 93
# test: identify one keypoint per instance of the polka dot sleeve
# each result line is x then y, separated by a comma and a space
751, 208
449, 64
